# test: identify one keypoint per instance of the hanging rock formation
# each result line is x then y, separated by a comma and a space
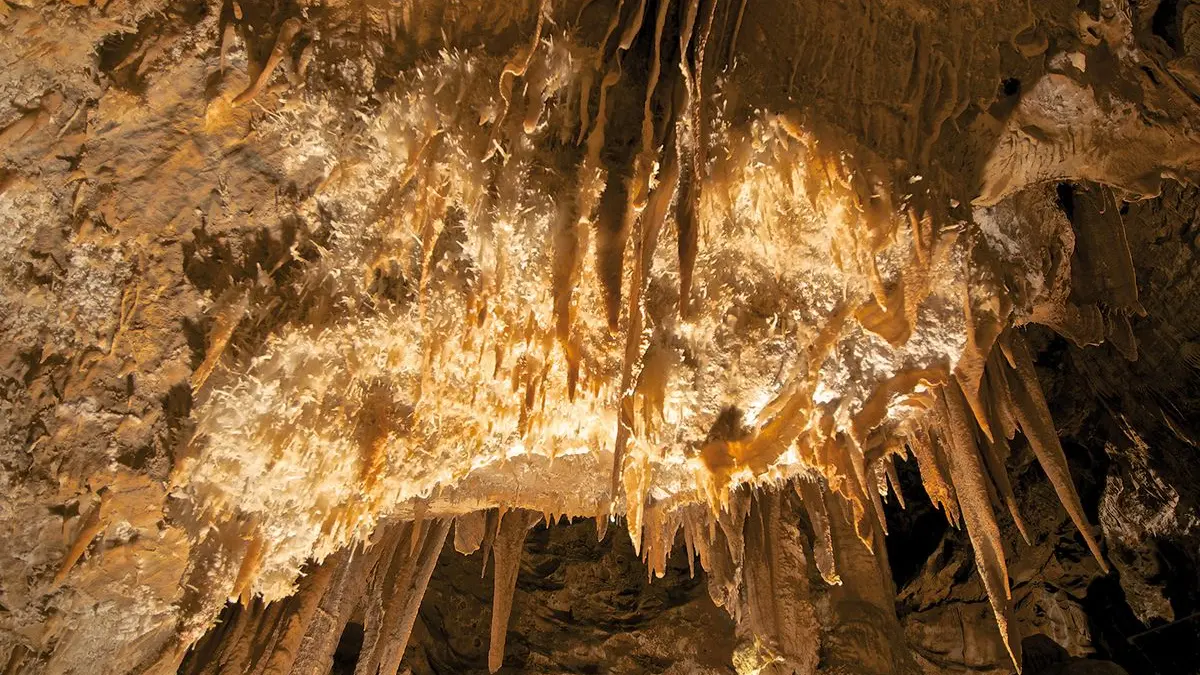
291, 291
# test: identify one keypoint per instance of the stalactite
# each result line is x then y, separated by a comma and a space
613, 22
567, 249
613, 217
490, 528
601, 526
651, 224
631, 30
703, 528
16, 660
983, 328
995, 454
690, 167
777, 607
732, 520
417, 536
230, 310
519, 64
207, 648
510, 541
242, 618
999, 396
845, 467
240, 657
407, 596
877, 483
658, 539
269, 639
970, 482
296, 624
468, 531
341, 600
1037, 424
798, 216
1119, 333
865, 489
889, 466
934, 472
811, 497
636, 476
1103, 269
689, 543
391, 565
251, 559
723, 573
92, 525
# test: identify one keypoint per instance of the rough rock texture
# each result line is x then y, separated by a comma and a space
297, 296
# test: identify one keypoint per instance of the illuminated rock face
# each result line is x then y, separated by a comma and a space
296, 296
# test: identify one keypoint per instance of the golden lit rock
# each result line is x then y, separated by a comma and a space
295, 294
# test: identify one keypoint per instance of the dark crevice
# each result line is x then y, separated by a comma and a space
1066, 199
913, 532
1165, 23
349, 646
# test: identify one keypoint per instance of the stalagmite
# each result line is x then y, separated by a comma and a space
510, 540
865, 597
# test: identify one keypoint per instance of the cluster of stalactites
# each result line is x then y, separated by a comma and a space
960, 441
961, 447
380, 582
962, 450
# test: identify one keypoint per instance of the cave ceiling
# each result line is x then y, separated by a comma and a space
296, 294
